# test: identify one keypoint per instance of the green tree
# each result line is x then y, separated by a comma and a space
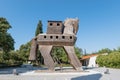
8, 43
118, 49
105, 50
58, 53
14, 59
111, 60
79, 52
4, 25
24, 51
39, 28
1, 57
6, 40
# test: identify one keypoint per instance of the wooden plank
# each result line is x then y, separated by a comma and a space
33, 49
72, 57
45, 52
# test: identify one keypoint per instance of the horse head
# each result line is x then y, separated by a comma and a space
71, 26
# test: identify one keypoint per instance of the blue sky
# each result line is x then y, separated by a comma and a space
99, 25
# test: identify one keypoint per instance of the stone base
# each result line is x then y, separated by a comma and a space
64, 70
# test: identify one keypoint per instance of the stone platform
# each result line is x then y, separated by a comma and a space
92, 74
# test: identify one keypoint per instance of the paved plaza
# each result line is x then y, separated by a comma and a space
31, 74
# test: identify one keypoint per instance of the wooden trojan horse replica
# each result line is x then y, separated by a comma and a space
58, 34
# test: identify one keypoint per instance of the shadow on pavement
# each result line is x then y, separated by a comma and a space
88, 77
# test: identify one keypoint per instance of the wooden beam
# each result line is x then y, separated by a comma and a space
72, 57
45, 52
33, 50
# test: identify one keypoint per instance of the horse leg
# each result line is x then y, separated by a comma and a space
45, 52
72, 57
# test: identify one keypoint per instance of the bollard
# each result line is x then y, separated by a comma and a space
107, 71
15, 72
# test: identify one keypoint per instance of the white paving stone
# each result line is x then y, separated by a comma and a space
93, 74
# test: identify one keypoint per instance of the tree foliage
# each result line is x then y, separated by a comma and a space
8, 43
39, 28
105, 50
10, 59
79, 52
4, 25
111, 60
60, 54
6, 40
24, 51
